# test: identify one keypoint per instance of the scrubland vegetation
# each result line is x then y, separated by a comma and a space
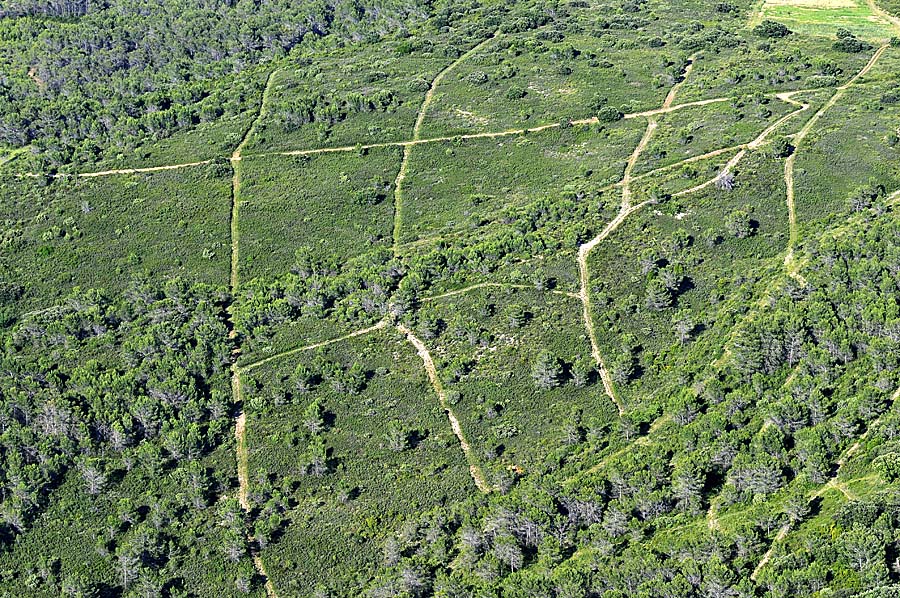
570, 299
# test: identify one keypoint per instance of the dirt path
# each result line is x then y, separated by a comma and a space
712, 516
236, 180
32, 74
256, 364
417, 127
782, 533
412, 142
624, 211
240, 423
873, 6
489, 134
640, 441
790, 263
752, 145
100, 173
585, 296
240, 437
422, 350
483, 285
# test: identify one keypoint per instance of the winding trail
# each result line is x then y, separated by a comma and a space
832, 483
585, 296
256, 364
412, 142
624, 211
639, 441
782, 533
240, 423
422, 350
793, 268
873, 6
483, 285
417, 127
754, 144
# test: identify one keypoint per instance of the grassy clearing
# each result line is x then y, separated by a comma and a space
702, 129
488, 342
335, 205
524, 80
206, 141
101, 233
349, 96
468, 185
684, 243
761, 66
824, 17
854, 144
390, 454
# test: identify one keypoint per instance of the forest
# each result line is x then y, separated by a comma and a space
386, 298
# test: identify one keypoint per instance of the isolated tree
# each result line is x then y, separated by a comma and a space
508, 552
725, 181
608, 114
316, 457
781, 147
516, 92
546, 371
303, 378
622, 368
847, 42
582, 370
648, 260
94, 479
516, 315
128, 564
396, 439
657, 296
771, 29
865, 196
243, 584
739, 224
313, 417
683, 324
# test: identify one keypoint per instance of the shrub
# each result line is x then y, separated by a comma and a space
771, 29
890, 97
850, 44
782, 148
516, 93
477, 78
608, 114
739, 224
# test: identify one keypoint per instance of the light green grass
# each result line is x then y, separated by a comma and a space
826, 21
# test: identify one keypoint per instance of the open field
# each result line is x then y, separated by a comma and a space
825, 17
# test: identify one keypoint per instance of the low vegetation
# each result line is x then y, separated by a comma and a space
416, 299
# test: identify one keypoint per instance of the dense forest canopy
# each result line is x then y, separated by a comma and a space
81, 77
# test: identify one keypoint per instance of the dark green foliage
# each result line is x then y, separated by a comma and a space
782, 148
126, 402
126, 71
721, 407
771, 29
847, 42
608, 114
